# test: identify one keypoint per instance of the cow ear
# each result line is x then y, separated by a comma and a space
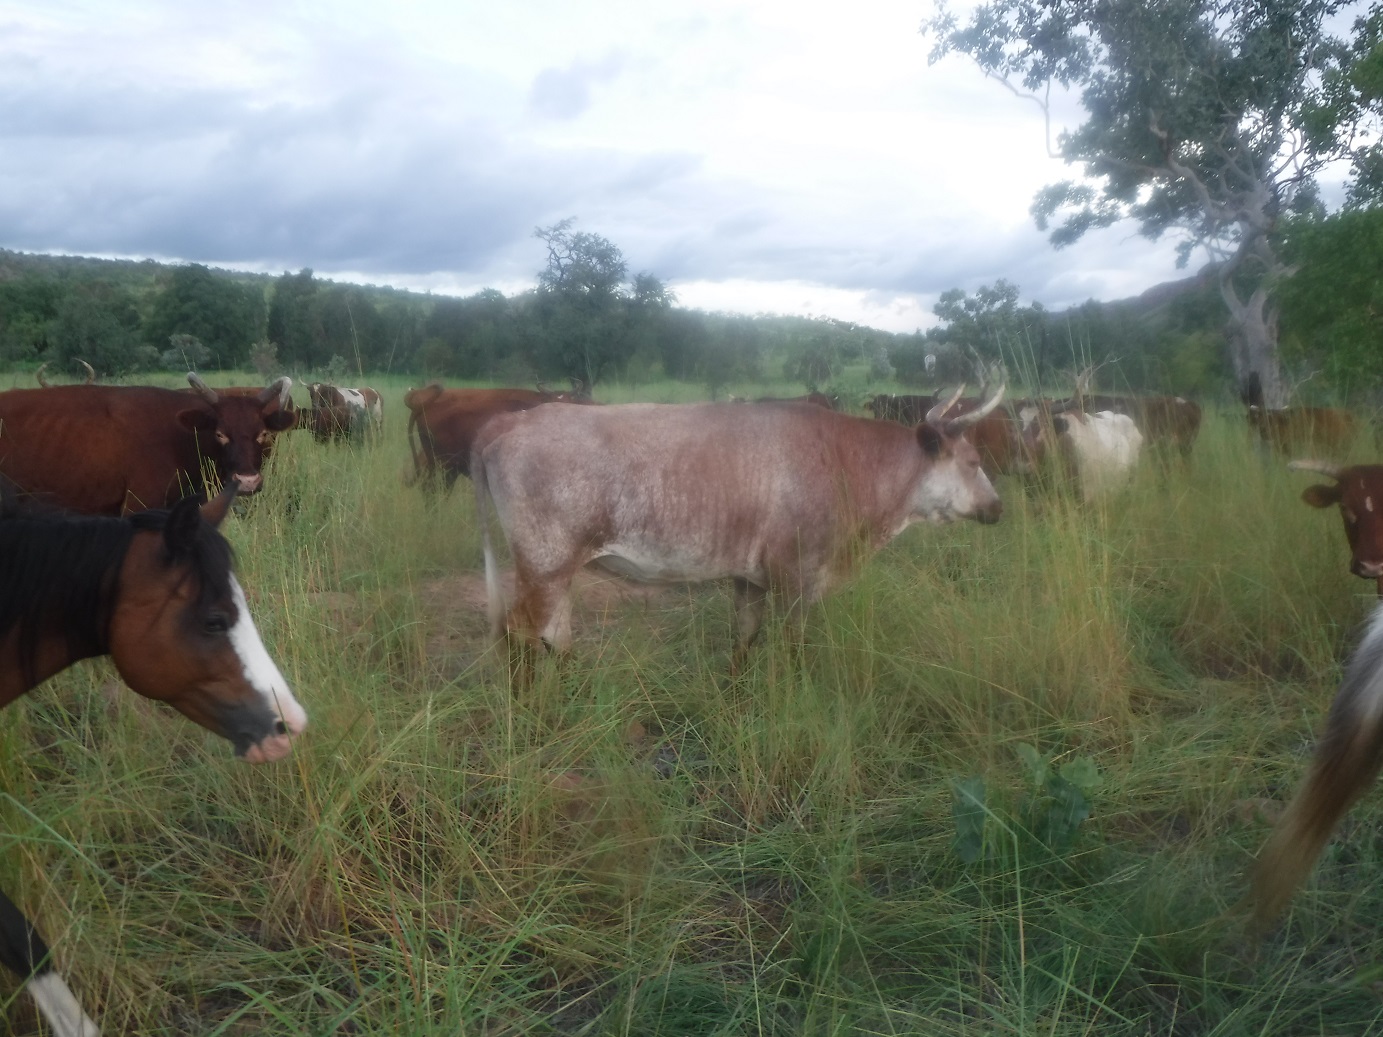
1059, 424
180, 530
1321, 496
280, 420
930, 439
196, 420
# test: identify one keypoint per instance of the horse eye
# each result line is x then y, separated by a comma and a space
216, 623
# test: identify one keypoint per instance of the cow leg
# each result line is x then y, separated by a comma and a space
750, 603
25, 954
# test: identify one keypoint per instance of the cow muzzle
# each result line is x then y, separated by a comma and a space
249, 482
990, 513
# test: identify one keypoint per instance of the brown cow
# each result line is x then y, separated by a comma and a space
111, 449
447, 421
1293, 430
1358, 490
780, 499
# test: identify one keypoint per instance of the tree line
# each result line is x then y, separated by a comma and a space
589, 321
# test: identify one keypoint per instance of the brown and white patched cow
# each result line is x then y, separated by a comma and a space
1358, 490
774, 498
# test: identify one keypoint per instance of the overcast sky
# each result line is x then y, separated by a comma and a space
757, 155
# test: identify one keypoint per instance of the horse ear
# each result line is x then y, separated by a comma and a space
215, 510
181, 528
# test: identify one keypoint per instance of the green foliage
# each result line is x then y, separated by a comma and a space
222, 313
1175, 95
28, 304
1049, 812
642, 335
97, 322
1332, 309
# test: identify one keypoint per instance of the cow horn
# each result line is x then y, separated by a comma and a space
90, 372
974, 416
1323, 467
280, 387
39, 375
938, 412
205, 391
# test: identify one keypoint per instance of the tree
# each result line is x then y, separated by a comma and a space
1332, 311
294, 324
97, 322
582, 306
224, 315
1212, 118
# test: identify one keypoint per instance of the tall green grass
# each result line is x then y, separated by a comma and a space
641, 846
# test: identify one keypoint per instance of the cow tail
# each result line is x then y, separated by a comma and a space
494, 593
412, 449
1346, 762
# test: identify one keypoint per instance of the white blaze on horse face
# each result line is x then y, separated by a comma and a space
265, 678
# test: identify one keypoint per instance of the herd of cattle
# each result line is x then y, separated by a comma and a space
104, 449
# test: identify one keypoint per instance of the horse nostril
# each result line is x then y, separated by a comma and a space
281, 728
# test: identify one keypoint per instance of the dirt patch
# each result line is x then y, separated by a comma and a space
458, 631
593, 593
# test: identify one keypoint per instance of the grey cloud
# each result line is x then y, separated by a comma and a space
565, 93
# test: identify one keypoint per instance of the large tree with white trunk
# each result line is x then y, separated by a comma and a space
1212, 119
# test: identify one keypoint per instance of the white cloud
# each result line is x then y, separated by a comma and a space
756, 155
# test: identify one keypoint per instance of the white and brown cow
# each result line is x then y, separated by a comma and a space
779, 499
1097, 453
340, 412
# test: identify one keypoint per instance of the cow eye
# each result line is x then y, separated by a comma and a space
216, 623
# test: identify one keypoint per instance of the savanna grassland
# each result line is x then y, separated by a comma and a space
1010, 786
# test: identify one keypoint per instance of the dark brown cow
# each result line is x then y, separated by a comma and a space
112, 449
283, 401
906, 410
1169, 423
777, 499
819, 399
446, 422
1358, 490
1293, 430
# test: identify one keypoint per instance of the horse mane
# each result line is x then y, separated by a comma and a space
60, 571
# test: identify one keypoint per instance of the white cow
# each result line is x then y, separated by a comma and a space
1100, 449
